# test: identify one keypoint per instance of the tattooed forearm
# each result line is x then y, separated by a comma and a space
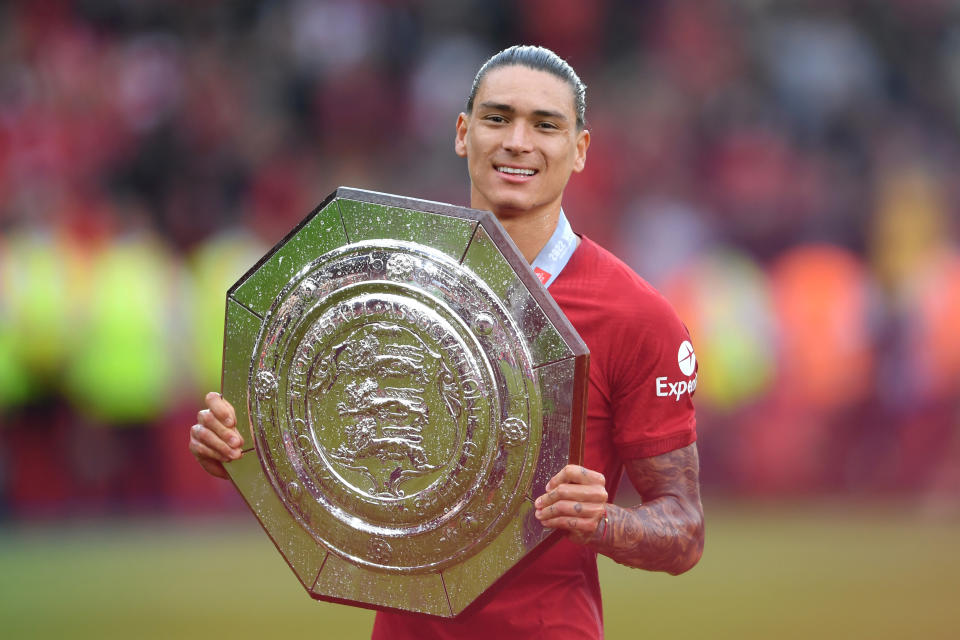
658, 536
665, 533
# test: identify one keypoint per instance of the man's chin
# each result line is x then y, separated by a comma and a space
506, 205
511, 208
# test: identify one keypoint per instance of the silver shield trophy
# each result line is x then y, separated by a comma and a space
406, 387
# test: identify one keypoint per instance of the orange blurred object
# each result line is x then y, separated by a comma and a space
821, 299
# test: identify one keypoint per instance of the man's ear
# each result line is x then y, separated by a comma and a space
583, 142
459, 143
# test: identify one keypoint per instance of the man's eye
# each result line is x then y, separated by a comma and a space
496, 118
547, 125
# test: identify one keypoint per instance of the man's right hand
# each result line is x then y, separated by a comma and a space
215, 439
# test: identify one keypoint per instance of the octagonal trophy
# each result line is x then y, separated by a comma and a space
405, 387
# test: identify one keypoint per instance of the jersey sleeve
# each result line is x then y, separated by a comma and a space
652, 380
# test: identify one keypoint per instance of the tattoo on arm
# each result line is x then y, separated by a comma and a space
665, 532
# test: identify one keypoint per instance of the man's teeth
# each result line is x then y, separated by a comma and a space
518, 172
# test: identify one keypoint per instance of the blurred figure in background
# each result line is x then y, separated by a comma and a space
733, 139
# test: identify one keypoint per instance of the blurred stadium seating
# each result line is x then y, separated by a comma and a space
784, 172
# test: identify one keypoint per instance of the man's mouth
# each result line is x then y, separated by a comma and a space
516, 171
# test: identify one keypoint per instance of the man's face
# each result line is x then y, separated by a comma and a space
521, 141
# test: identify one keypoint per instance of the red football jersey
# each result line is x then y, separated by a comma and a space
643, 372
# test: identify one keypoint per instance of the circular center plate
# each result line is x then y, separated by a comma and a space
391, 398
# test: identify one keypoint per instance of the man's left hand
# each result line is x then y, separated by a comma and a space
575, 501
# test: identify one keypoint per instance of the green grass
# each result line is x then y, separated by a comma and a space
768, 572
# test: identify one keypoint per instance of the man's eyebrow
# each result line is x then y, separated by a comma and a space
497, 106
546, 113
506, 108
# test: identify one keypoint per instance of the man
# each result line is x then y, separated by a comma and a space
523, 135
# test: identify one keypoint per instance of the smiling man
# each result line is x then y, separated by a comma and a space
523, 135
521, 146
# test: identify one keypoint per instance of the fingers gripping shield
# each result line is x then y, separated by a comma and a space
408, 387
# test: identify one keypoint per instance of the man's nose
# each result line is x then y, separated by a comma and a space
518, 138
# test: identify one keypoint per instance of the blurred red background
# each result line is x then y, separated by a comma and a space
784, 172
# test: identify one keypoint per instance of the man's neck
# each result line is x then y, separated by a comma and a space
530, 230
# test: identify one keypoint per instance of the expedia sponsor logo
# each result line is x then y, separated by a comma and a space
665, 388
687, 361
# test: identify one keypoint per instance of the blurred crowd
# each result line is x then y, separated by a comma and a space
785, 172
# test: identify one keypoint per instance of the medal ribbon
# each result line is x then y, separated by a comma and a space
554, 256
